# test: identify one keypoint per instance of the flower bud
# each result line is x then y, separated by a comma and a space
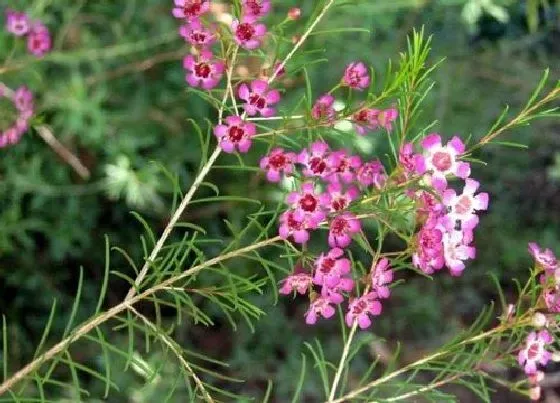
294, 13
295, 39
539, 320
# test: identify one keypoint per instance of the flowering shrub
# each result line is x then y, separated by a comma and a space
338, 211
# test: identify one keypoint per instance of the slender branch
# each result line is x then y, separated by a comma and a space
342, 361
172, 345
426, 388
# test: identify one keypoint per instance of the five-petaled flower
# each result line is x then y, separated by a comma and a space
197, 35
463, 207
361, 308
299, 282
277, 162
356, 76
247, 33
17, 23
543, 257
320, 306
341, 229
255, 9
190, 9
258, 98
235, 134
204, 71
534, 351
330, 268
381, 276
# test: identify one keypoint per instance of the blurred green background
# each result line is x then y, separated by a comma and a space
113, 91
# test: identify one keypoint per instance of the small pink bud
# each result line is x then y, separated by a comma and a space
294, 13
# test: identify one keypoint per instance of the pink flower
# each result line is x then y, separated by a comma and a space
300, 282
428, 204
544, 258
323, 109
429, 249
385, 118
441, 160
340, 200
552, 299
342, 227
294, 223
276, 163
190, 9
334, 294
356, 76
534, 352
320, 306
38, 40
372, 173
342, 166
196, 34
258, 98
235, 134
23, 101
17, 23
463, 207
365, 120
380, 277
330, 268
360, 309
314, 161
205, 71
255, 8
309, 203
407, 158
456, 250
247, 33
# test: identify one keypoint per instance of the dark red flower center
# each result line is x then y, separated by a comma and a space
198, 37
317, 165
533, 351
257, 100
327, 265
359, 307
202, 70
245, 31
293, 224
192, 8
277, 161
339, 226
254, 6
339, 204
361, 116
235, 134
464, 205
308, 203
442, 161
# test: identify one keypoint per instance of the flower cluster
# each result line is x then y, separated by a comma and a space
22, 100
38, 37
448, 218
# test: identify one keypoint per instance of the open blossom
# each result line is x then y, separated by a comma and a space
196, 34
330, 268
38, 39
314, 160
258, 98
381, 276
294, 223
552, 299
440, 160
361, 308
543, 257
463, 207
334, 294
407, 158
356, 76
343, 166
255, 8
235, 134
204, 71
323, 109
534, 351
456, 250
341, 229
309, 203
247, 33
371, 173
365, 120
386, 117
429, 248
23, 101
320, 306
277, 162
299, 282
190, 9
339, 199
17, 23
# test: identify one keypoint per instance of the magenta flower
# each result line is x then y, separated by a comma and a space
320, 306
278, 162
385, 118
380, 277
196, 34
255, 9
330, 268
17, 23
441, 160
429, 205
190, 9
456, 250
299, 282
365, 120
543, 257
294, 223
463, 207
247, 33
342, 166
342, 227
339, 199
534, 352
314, 161
38, 39
408, 159
310, 204
323, 109
372, 173
429, 249
204, 72
235, 134
334, 294
361, 308
23, 101
552, 299
258, 98
356, 76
